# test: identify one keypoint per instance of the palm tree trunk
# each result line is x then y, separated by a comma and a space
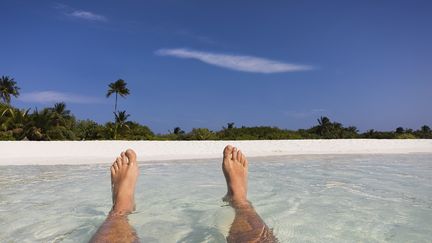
115, 107
115, 132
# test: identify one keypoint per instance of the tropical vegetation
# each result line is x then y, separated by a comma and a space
118, 88
8, 88
58, 123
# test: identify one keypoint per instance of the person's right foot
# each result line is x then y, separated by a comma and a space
124, 173
235, 169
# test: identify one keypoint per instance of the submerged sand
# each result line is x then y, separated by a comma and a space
93, 152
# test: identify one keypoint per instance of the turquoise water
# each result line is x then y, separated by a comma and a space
355, 198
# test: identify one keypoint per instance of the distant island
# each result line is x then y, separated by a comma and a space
58, 123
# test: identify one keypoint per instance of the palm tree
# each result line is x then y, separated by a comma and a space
399, 130
60, 114
178, 131
60, 108
8, 87
120, 121
324, 125
121, 117
39, 123
425, 129
324, 121
10, 117
16, 123
119, 88
5, 109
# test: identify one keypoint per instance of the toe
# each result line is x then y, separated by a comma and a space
119, 162
115, 166
113, 170
243, 160
131, 155
228, 150
125, 160
239, 155
234, 153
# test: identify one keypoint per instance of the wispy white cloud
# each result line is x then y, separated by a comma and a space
79, 13
235, 62
86, 15
55, 96
304, 114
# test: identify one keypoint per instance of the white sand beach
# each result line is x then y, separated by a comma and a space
93, 152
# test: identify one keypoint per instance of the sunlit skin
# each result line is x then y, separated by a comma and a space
124, 174
246, 227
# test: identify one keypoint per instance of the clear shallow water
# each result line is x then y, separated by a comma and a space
355, 198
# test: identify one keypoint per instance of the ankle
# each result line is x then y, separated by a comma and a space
241, 204
123, 208
117, 212
239, 200
239, 197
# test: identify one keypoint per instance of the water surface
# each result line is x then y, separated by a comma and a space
350, 198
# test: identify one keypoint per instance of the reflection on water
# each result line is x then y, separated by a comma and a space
373, 198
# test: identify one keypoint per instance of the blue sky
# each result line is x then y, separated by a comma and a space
206, 63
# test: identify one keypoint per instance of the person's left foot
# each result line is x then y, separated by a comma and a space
124, 174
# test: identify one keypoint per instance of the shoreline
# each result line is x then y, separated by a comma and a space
98, 152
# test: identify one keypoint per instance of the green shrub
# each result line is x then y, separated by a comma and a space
405, 136
201, 134
6, 136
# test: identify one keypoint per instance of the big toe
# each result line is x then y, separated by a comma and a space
131, 156
228, 150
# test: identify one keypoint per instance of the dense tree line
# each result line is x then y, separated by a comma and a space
58, 123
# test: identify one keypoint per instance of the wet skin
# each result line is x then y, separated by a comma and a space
246, 227
124, 174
